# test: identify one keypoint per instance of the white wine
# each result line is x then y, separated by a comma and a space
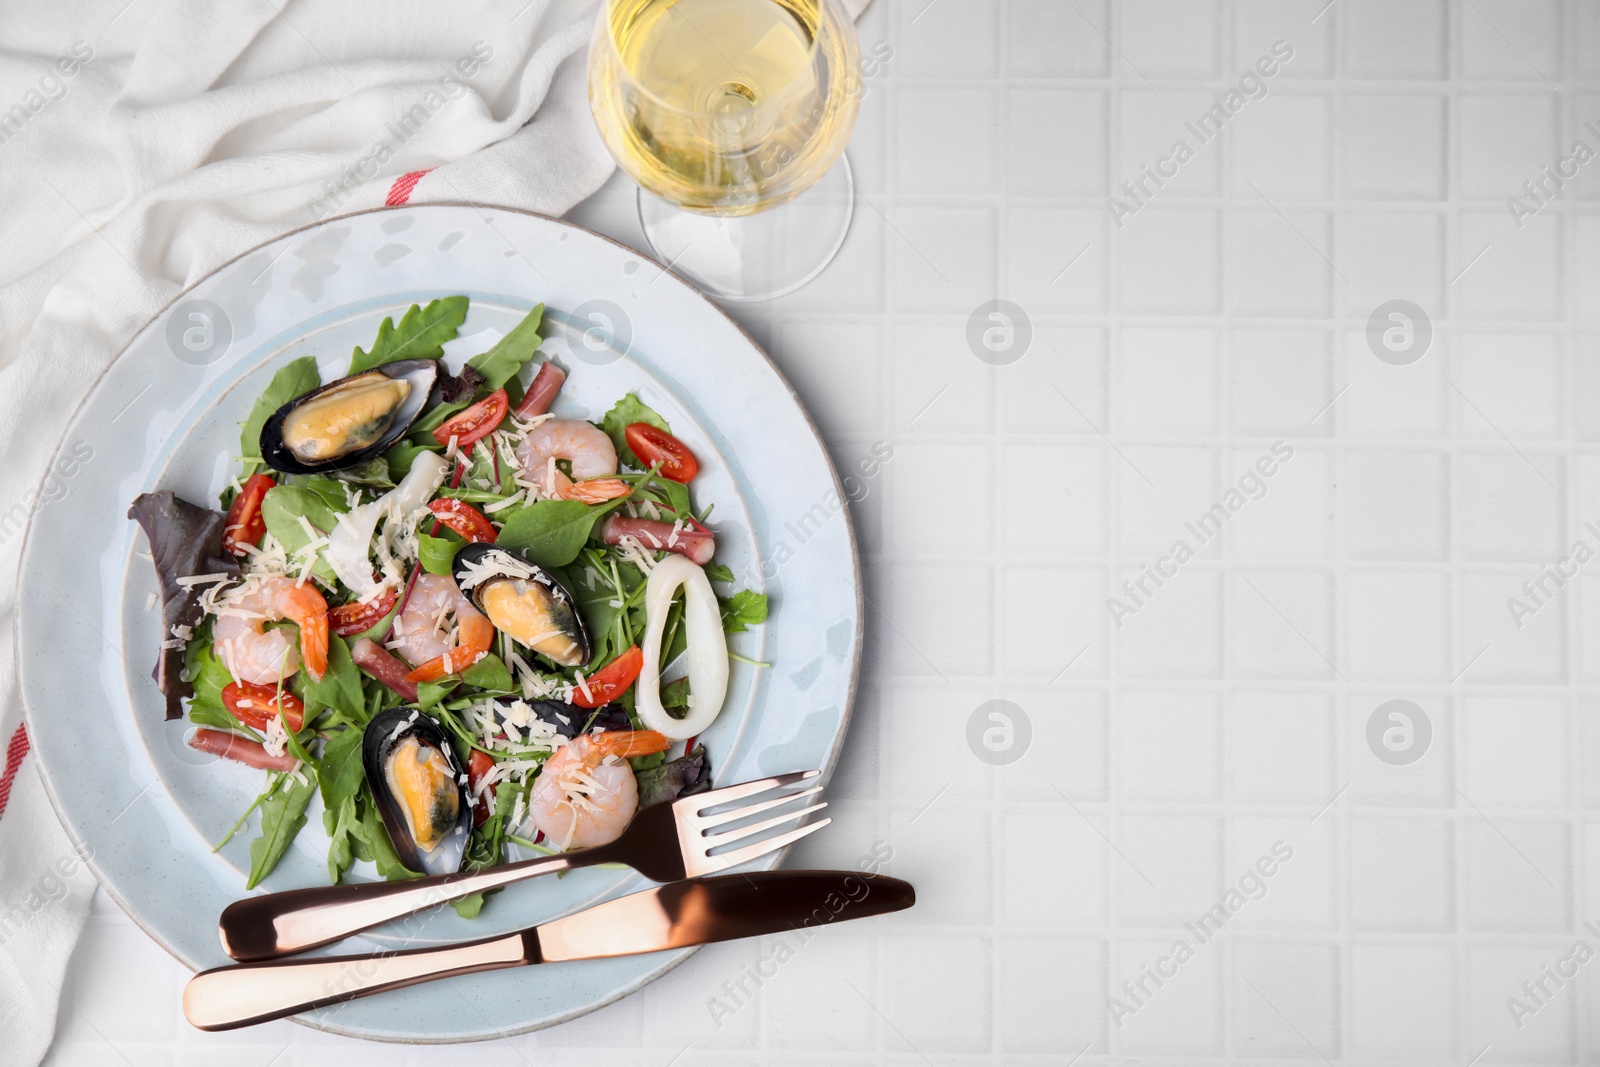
724, 106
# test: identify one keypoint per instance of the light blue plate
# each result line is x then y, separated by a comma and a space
165, 416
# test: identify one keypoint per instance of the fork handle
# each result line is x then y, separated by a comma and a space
278, 924
227, 998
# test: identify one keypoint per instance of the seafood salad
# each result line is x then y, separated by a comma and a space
468, 624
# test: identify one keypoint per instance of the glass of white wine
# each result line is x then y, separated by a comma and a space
726, 112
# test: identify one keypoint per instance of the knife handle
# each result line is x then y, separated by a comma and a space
279, 924
226, 998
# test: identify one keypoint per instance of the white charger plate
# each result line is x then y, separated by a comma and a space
146, 809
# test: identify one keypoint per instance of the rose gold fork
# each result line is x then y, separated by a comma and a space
664, 842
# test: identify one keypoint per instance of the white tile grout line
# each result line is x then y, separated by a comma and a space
1112, 478
1569, 361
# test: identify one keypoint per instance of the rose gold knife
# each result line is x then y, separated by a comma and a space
697, 911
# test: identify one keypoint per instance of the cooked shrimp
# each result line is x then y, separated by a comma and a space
588, 451
582, 798
261, 656
423, 630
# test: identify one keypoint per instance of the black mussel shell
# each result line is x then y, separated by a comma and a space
479, 566
569, 720
608, 717
389, 734
380, 432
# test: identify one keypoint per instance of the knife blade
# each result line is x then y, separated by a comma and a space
695, 911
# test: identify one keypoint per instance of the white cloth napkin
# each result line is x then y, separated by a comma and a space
143, 145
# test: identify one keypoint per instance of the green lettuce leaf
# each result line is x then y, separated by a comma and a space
629, 409
551, 533
282, 507
489, 673
295, 378
742, 609
339, 770
340, 687
402, 455
371, 842
282, 815
421, 334
340, 823
506, 359
438, 553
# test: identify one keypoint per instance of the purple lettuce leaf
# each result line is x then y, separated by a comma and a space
185, 540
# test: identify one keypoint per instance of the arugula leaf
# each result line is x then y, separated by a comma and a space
340, 824
339, 770
341, 779
599, 614
430, 693
628, 410
282, 507
421, 334
489, 673
282, 815
551, 533
340, 687
719, 572
742, 609
295, 378
674, 495
437, 553
511, 353
371, 842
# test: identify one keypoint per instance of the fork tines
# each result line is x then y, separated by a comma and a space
742, 842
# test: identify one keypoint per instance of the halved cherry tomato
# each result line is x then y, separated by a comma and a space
610, 681
476, 422
481, 765
353, 618
254, 704
244, 524
653, 445
463, 518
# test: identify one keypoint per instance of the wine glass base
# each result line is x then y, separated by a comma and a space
759, 256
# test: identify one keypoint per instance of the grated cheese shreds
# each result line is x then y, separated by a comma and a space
203, 579
150, 602
276, 738
632, 551
510, 501
494, 564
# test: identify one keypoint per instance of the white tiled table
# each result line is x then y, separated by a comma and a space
1229, 711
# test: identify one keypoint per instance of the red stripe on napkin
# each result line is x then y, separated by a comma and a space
400, 191
14, 756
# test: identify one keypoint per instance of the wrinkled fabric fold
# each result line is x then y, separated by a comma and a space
181, 138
